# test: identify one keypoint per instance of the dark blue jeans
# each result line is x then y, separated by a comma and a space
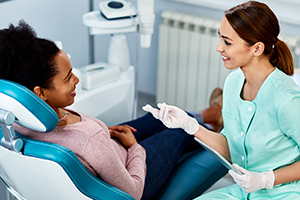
163, 146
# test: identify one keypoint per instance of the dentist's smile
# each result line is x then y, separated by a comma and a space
225, 58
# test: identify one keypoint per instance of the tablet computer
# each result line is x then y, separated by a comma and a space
217, 155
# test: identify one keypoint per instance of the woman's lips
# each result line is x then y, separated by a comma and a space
224, 58
73, 94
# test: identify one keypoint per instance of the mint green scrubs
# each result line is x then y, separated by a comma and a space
262, 134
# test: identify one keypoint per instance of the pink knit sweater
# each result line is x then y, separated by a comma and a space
90, 141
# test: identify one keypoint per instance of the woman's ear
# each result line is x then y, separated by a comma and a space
40, 92
259, 48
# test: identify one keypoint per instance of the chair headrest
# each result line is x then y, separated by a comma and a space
30, 111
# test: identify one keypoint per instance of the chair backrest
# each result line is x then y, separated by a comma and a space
44, 170
29, 109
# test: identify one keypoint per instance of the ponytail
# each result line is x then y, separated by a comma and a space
254, 21
281, 58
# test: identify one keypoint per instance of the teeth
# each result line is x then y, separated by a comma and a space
226, 58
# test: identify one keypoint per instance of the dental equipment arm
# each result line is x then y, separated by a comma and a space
147, 17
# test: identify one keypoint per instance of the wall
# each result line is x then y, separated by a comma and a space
286, 10
55, 19
148, 57
62, 20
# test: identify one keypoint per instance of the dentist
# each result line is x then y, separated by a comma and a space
261, 108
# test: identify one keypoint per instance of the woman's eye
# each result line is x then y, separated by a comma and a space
70, 76
227, 43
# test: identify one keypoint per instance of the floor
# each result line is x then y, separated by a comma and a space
143, 99
3, 192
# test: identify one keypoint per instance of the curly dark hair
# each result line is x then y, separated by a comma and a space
25, 58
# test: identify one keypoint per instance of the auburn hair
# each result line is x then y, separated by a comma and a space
255, 22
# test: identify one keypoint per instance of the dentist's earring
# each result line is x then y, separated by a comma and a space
45, 99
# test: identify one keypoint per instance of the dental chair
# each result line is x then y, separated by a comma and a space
36, 170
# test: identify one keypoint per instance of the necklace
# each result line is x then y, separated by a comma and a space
66, 114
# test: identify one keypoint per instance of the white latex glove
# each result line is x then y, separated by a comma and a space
173, 117
253, 181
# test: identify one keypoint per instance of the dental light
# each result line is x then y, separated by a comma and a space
116, 9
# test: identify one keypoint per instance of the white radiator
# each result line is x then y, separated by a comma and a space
189, 67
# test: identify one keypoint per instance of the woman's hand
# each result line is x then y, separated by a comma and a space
253, 181
173, 117
124, 134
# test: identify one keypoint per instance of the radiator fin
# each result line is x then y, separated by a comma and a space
189, 67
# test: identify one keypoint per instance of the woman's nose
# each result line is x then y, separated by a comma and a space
76, 79
219, 47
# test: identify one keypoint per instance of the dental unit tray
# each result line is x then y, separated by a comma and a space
117, 9
98, 74
218, 156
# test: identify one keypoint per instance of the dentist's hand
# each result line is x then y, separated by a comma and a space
253, 181
173, 117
